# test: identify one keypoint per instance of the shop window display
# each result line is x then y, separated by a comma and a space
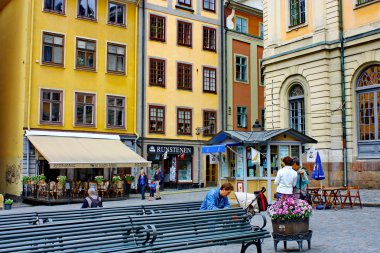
184, 170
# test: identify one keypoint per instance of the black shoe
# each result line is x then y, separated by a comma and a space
158, 198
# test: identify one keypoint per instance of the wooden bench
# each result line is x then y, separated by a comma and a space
91, 213
166, 232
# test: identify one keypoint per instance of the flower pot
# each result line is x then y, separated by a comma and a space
7, 206
290, 227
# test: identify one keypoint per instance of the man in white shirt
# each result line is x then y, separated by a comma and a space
286, 179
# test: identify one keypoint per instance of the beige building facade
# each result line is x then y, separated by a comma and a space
322, 77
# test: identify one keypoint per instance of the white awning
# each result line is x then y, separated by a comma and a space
64, 152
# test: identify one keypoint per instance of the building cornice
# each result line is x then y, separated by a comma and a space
246, 9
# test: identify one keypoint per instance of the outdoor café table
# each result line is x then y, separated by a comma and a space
314, 193
332, 196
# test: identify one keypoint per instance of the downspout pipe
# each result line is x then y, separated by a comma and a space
143, 77
136, 76
225, 97
222, 61
342, 72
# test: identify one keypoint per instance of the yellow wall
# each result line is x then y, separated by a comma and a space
13, 50
170, 96
295, 33
355, 18
70, 80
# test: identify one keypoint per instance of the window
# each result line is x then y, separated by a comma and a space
241, 68
156, 72
297, 108
116, 58
115, 111
263, 118
87, 9
368, 97
84, 109
86, 52
184, 124
54, 6
242, 117
209, 39
209, 5
185, 2
184, 36
156, 119
157, 28
51, 106
184, 76
262, 77
297, 12
241, 25
116, 13
209, 123
261, 29
209, 80
52, 49
360, 2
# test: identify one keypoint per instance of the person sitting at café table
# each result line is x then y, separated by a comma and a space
286, 179
217, 198
302, 180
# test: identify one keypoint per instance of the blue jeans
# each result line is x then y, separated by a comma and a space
142, 191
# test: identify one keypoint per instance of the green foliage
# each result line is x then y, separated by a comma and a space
34, 178
61, 180
42, 177
129, 178
116, 179
25, 179
8, 202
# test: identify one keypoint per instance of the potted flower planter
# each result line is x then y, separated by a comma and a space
290, 227
290, 216
8, 204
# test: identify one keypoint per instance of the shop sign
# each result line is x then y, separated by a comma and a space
170, 150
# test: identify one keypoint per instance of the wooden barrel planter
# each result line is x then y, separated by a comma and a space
290, 227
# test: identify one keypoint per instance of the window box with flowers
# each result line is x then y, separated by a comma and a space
290, 216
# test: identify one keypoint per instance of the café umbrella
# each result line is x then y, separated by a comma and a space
318, 173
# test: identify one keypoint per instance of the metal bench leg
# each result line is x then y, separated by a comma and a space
244, 246
285, 244
275, 245
309, 244
299, 246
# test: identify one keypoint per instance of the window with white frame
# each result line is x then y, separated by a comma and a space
297, 12
241, 63
116, 13
84, 109
87, 9
115, 112
241, 24
242, 116
53, 48
57, 6
297, 108
86, 54
51, 106
116, 58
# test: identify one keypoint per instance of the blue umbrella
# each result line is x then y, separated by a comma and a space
318, 173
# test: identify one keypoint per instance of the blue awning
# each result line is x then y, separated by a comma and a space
213, 149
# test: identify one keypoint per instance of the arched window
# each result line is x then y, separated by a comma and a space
368, 104
297, 108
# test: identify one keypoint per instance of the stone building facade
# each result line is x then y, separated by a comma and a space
314, 50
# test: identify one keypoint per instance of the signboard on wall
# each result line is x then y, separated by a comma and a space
170, 150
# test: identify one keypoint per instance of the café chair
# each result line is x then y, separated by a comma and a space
52, 188
352, 194
119, 188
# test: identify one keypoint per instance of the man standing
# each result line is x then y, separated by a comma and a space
142, 183
159, 179
217, 198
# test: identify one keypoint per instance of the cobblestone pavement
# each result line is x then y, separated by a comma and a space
341, 230
334, 231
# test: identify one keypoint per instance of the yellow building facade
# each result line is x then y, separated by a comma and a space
181, 87
71, 68
322, 63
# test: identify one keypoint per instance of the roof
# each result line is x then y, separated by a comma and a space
258, 137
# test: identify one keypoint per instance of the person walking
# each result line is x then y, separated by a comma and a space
152, 189
93, 200
159, 180
300, 190
142, 184
217, 198
286, 179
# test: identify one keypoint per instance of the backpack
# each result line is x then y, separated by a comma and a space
93, 203
262, 201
